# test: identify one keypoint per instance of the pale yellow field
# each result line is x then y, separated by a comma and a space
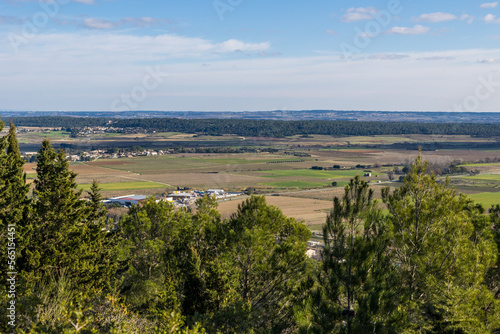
310, 211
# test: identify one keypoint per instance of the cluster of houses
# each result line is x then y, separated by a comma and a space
178, 198
100, 154
104, 154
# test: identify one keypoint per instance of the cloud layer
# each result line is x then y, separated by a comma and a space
436, 17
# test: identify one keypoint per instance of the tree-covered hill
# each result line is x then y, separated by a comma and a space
268, 128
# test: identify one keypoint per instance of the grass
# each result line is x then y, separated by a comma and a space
487, 199
164, 164
49, 134
296, 184
359, 140
481, 164
124, 186
489, 177
316, 227
314, 173
166, 134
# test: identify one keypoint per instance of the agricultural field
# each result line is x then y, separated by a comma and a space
488, 177
41, 135
312, 212
304, 193
296, 184
487, 199
329, 175
124, 186
195, 163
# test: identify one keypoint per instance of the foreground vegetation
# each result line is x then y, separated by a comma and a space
427, 265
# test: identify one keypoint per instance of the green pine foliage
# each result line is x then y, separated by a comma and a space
268, 252
67, 232
355, 292
13, 191
443, 249
241, 274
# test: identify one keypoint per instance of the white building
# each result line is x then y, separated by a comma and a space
127, 200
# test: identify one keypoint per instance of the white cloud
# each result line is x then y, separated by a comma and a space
126, 47
98, 24
331, 32
489, 61
94, 23
416, 30
431, 58
359, 14
436, 17
387, 56
490, 18
467, 17
489, 5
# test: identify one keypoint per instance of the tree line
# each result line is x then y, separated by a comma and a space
267, 128
427, 262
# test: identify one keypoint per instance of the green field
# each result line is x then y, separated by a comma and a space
481, 164
49, 134
314, 173
296, 184
486, 199
489, 177
360, 140
124, 186
164, 164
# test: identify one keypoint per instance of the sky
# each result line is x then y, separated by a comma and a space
250, 55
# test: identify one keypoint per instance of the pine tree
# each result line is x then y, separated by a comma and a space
442, 255
355, 294
150, 235
268, 253
494, 272
102, 239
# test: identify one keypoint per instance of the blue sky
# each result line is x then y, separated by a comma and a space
250, 55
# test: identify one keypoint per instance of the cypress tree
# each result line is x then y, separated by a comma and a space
68, 232
13, 190
101, 240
